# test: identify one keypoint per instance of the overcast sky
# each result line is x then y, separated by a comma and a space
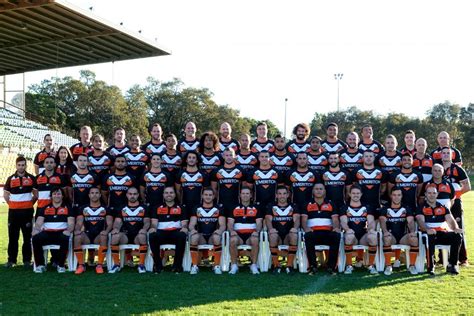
399, 56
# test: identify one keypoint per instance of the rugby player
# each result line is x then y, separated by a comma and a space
120, 146
84, 145
332, 143
209, 149
189, 140
155, 145
225, 138
300, 142
262, 142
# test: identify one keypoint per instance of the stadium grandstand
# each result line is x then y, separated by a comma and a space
49, 34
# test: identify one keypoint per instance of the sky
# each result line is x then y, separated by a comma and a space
402, 56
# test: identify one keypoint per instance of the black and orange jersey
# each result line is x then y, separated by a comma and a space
265, 183
228, 181
374, 146
94, 218
456, 174
282, 217
389, 163
207, 219
397, 220
423, 166
455, 155
408, 182
81, 185
169, 217
256, 146
155, 184
357, 218
186, 145
245, 218
192, 184
117, 186
211, 162
282, 163
151, 148
404, 149
446, 191
171, 163
41, 156
21, 192
246, 162
45, 184
55, 218
301, 185
294, 147
100, 165
136, 163
319, 215
116, 150
371, 181
351, 161
317, 162
331, 147
435, 217
80, 149
133, 219
233, 144
335, 183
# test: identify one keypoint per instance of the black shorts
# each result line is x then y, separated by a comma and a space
131, 236
206, 237
359, 234
92, 235
282, 233
244, 236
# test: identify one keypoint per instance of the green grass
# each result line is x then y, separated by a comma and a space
24, 292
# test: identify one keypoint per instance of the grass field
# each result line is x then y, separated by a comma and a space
23, 292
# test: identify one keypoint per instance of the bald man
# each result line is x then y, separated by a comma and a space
189, 141
422, 162
444, 141
225, 138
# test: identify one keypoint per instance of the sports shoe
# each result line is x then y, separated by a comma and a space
359, 264
349, 270
177, 270
40, 269
217, 269
453, 269
431, 271
234, 268
80, 269
9, 264
99, 269
331, 271
388, 270
289, 270
276, 270
141, 268
254, 269
412, 270
115, 269
312, 270
464, 263
61, 269
194, 269
372, 270
397, 264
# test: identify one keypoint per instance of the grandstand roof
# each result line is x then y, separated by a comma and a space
45, 34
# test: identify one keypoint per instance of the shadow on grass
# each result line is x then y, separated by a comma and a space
129, 292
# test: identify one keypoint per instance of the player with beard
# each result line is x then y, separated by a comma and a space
262, 142
422, 162
209, 150
244, 157
332, 143
226, 140
409, 139
408, 180
336, 181
120, 146
300, 142
352, 157
367, 142
100, 161
189, 141
281, 159
155, 145
317, 159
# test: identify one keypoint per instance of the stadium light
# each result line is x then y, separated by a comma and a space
338, 77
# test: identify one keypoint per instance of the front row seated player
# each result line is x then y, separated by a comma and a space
398, 227
438, 223
282, 222
168, 226
130, 226
320, 223
358, 223
244, 224
93, 224
206, 226
54, 226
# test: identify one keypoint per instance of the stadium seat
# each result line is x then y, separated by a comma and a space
69, 259
168, 249
302, 259
94, 247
